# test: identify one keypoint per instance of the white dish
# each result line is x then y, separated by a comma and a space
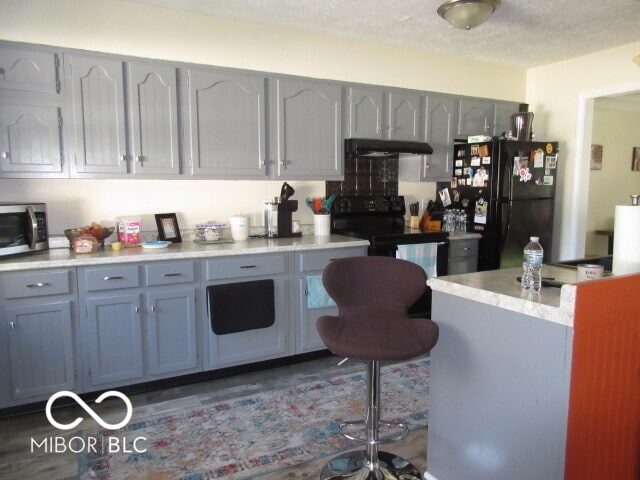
156, 244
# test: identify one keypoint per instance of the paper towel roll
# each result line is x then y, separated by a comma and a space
626, 240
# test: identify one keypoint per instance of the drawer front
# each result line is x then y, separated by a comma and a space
463, 248
462, 265
311, 261
169, 273
36, 284
111, 278
250, 266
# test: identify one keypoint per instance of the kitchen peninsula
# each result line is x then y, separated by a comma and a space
92, 322
536, 386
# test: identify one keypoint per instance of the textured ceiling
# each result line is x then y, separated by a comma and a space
523, 33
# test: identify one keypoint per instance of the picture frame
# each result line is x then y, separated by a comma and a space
168, 228
596, 157
635, 160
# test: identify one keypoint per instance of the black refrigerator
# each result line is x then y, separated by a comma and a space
507, 188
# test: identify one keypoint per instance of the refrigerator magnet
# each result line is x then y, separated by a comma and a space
480, 212
475, 161
525, 175
458, 163
457, 172
538, 158
475, 149
444, 197
549, 148
486, 160
548, 180
551, 161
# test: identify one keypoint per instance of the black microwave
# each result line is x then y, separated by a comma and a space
23, 228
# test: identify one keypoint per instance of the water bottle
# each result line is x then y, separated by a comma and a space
532, 265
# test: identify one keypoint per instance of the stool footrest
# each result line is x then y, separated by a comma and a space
363, 423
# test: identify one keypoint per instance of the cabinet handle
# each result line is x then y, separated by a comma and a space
115, 277
137, 310
38, 285
5, 155
152, 308
139, 158
466, 249
12, 325
123, 158
171, 274
247, 266
283, 164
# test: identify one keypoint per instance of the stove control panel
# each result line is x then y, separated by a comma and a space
376, 204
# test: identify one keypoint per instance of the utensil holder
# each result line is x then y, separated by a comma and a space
322, 225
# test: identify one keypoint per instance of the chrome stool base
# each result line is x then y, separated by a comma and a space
353, 466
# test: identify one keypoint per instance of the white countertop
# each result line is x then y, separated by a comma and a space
188, 249
500, 288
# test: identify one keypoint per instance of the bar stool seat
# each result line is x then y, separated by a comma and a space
373, 295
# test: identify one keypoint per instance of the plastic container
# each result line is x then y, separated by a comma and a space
208, 232
129, 230
532, 265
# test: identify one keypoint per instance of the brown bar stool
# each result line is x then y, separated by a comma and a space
373, 296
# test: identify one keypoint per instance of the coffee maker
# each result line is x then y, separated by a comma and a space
277, 214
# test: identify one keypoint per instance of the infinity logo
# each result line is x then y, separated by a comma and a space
89, 410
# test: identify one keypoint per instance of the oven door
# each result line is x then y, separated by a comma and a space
388, 248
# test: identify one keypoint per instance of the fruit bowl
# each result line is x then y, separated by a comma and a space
99, 234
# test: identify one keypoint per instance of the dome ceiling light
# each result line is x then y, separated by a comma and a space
467, 14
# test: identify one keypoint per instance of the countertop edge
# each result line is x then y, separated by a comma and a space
59, 258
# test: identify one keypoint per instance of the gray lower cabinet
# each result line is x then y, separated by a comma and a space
226, 126
38, 335
463, 255
245, 310
305, 129
31, 114
312, 300
133, 334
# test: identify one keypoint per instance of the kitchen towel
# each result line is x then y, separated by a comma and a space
317, 296
626, 237
423, 254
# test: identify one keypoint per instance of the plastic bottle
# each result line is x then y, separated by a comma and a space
532, 265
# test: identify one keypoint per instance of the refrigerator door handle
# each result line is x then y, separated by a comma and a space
505, 222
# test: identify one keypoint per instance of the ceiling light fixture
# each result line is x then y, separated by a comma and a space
467, 14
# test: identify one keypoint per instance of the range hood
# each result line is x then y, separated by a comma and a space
373, 147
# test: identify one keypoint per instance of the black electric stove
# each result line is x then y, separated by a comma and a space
381, 221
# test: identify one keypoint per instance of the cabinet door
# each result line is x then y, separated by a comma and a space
404, 116
227, 124
154, 119
171, 333
30, 140
441, 123
97, 86
308, 338
504, 111
364, 110
41, 349
25, 70
477, 117
113, 340
306, 130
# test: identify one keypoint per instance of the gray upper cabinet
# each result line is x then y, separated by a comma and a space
404, 116
226, 130
31, 112
98, 134
504, 111
305, 129
373, 112
364, 112
154, 119
477, 117
26, 70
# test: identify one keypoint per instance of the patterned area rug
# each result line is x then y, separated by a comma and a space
261, 433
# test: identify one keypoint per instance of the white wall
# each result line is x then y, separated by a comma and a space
560, 95
618, 131
128, 29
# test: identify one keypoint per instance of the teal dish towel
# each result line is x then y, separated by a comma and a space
317, 296
423, 254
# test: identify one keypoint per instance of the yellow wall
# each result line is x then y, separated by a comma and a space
559, 95
618, 131
129, 29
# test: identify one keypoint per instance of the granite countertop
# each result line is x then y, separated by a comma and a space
66, 258
500, 288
